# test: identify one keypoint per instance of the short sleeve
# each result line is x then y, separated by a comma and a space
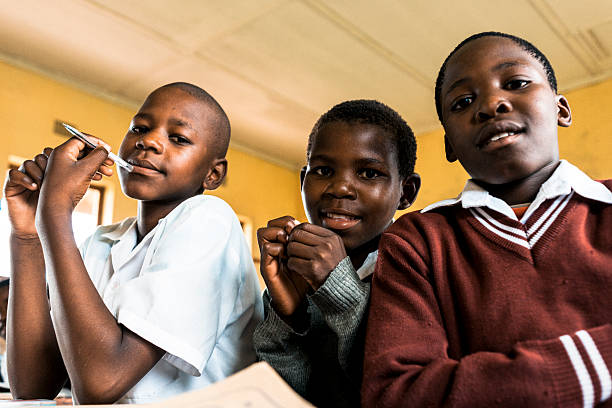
189, 288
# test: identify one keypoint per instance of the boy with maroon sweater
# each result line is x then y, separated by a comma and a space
503, 295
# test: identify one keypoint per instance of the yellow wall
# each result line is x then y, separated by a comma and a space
255, 188
30, 103
587, 144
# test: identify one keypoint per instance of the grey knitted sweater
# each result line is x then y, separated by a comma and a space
323, 363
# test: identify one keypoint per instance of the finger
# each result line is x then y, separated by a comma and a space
308, 237
32, 171
271, 234
41, 160
287, 223
299, 250
17, 178
314, 229
272, 249
94, 160
105, 170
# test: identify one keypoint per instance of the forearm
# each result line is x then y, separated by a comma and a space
35, 364
535, 373
343, 301
96, 349
276, 343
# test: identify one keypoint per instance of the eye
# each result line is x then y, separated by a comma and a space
322, 171
516, 84
178, 139
461, 103
370, 174
138, 129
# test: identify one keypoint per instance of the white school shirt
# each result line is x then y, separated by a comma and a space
189, 287
565, 180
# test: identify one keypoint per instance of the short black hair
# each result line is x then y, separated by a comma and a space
524, 44
368, 111
220, 121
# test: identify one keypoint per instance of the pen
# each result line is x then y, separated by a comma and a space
79, 135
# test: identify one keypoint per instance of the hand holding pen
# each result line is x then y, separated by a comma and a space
69, 171
85, 139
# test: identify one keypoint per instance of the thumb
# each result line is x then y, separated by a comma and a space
94, 159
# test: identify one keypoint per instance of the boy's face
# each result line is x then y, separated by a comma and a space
168, 144
499, 112
352, 184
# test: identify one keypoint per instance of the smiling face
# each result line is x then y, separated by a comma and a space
499, 112
352, 184
169, 143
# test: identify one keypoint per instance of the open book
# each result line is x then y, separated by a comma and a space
257, 386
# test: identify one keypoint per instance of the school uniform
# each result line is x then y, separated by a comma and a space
472, 306
322, 361
189, 287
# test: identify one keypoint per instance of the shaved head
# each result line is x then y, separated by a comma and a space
218, 121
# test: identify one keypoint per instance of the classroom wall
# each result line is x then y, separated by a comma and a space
587, 143
31, 102
256, 188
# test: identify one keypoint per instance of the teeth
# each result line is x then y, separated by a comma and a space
500, 136
339, 216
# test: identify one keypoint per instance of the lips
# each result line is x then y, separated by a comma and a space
143, 166
338, 219
498, 133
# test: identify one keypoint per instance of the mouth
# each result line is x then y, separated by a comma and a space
498, 135
337, 219
142, 166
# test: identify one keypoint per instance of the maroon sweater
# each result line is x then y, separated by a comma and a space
472, 308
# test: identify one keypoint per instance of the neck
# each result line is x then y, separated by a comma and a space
523, 190
149, 214
359, 255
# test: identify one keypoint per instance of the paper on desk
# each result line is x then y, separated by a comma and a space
257, 386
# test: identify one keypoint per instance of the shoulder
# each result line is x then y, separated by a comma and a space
204, 211
417, 223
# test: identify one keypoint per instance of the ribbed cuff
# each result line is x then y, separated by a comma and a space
273, 326
342, 290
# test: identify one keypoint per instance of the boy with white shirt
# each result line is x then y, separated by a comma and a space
155, 305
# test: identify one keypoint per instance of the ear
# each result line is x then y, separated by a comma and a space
302, 176
450, 154
215, 174
410, 188
564, 115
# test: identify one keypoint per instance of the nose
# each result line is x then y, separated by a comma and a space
152, 140
341, 186
491, 105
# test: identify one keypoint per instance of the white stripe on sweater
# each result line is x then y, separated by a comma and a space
588, 392
599, 364
549, 221
520, 241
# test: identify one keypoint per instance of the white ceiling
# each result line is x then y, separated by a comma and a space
276, 65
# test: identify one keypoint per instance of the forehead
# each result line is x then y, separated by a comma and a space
486, 56
340, 140
172, 102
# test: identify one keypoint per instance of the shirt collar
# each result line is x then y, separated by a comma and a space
564, 179
368, 265
117, 231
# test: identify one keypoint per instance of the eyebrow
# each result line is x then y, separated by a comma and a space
360, 161
498, 67
172, 121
